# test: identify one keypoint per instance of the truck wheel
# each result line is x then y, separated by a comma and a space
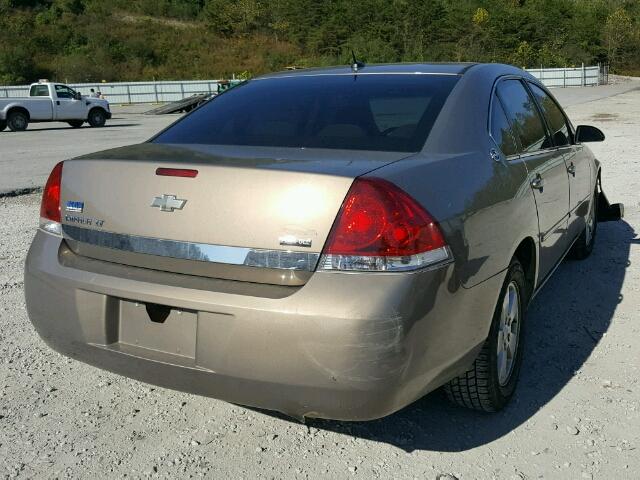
76, 123
490, 382
17, 121
587, 239
3, 125
97, 118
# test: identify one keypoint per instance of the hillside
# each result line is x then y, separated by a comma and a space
93, 40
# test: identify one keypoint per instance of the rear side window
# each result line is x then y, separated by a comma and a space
555, 118
501, 130
39, 91
523, 116
363, 112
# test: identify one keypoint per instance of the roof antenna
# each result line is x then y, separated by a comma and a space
356, 64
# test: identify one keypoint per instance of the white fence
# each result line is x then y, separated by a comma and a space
571, 77
160, 92
131, 92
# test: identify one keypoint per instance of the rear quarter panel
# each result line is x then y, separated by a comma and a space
485, 208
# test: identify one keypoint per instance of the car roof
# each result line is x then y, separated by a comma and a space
384, 68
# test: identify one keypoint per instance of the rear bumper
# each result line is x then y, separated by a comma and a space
343, 346
108, 115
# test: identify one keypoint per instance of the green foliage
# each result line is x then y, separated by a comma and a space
237, 17
524, 55
16, 65
481, 16
619, 34
93, 40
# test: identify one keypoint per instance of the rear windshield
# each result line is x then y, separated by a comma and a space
364, 112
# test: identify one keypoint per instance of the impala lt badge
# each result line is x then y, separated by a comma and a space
291, 241
168, 203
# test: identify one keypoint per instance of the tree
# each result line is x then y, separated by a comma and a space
17, 66
618, 32
524, 56
233, 17
180, 39
481, 16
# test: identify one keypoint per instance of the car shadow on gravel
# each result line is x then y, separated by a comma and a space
565, 322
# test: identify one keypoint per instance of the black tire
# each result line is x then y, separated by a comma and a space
587, 239
3, 125
76, 123
17, 121
97, 117
480, 387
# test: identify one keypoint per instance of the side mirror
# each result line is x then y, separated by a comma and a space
587, 133
77, 96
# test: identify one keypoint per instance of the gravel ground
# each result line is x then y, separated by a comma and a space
576, 413
575, 96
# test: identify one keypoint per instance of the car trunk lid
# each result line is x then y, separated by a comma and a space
249, 214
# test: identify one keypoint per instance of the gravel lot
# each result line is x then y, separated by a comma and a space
576, 414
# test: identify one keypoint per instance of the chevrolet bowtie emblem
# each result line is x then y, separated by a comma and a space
168, 203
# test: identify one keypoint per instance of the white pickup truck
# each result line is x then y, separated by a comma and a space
52, 102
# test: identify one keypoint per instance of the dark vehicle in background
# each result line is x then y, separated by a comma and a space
326, 243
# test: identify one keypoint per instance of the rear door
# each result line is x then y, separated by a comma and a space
577, 162
547, 170
66, 106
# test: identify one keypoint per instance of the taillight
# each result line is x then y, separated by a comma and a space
50, 207
382, 228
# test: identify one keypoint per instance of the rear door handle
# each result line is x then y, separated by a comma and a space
57, 102
572, 169
537, 183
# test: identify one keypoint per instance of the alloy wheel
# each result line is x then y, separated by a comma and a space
591, 220
508, 333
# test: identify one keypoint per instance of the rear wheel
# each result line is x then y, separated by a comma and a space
76, 123
17, 121
587, 239
97, 117
489, 383
3, 125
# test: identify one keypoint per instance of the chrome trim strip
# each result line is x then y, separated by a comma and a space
203, 252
